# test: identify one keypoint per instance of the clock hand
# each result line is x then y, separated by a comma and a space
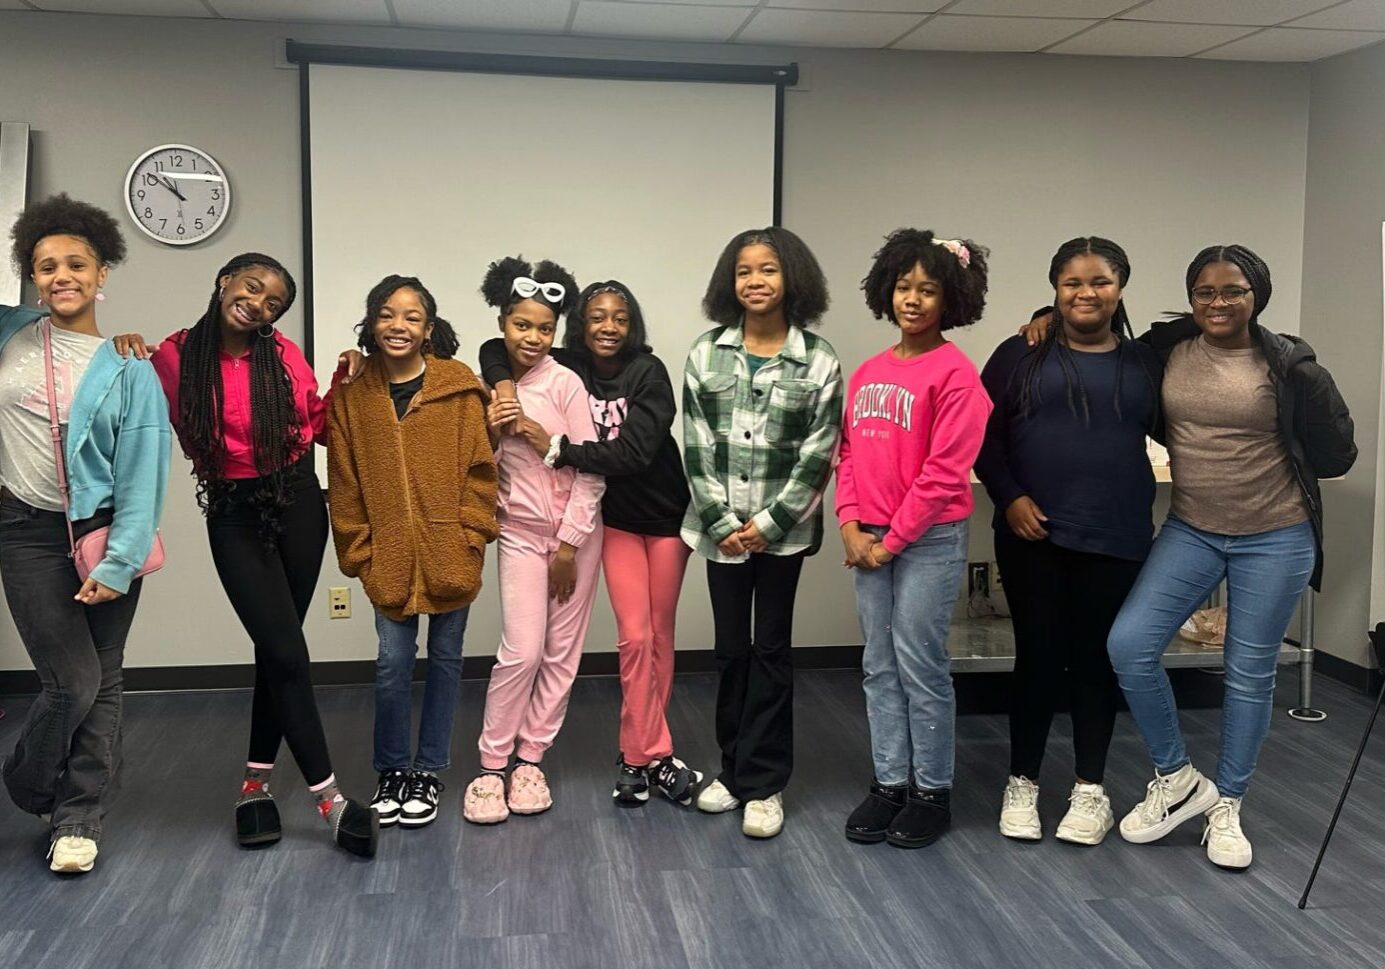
194, 176
172, 188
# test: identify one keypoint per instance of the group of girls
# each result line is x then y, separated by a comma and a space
567, 457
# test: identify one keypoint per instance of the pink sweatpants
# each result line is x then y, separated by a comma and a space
644, 575
540, 646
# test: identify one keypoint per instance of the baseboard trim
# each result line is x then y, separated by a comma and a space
1357, 677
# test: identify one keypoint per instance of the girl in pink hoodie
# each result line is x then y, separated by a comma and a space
550, 537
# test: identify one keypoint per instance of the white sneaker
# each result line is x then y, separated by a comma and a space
1227, 845
1089, 816
1170, 800
71, 855
1019, 810
716, 799
763, 818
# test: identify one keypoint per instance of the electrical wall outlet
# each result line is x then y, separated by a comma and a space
996, 585
979, 579
339, 602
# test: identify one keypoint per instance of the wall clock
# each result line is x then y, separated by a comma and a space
177, 194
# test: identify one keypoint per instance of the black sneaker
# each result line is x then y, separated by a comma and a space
632, 785
873, 816
674, 779
925, 817
420, 803
389, 796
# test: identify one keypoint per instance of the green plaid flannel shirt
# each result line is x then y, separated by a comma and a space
759, 449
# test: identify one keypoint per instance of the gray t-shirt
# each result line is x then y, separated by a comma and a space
1231, 472
27, 466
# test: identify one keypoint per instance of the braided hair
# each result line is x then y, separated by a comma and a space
497, 288
1250, 265
441, 343
276, 429
1055, 341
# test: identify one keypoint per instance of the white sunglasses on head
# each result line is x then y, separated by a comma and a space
525, 287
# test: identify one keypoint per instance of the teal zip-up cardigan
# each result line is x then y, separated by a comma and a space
117, 451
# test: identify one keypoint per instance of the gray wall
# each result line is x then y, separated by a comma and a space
1018, 152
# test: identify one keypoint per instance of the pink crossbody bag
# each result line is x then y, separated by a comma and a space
88, 551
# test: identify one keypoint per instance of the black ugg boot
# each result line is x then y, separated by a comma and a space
925, 817
358, 829
257, 823
868, 823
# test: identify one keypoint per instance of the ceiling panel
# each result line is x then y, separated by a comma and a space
544, 16
1259, 13
946, 32
1287, 44
1089, 9
330, 11
1353, 15
148, 8
1127, 38
863, 6
819, 28
659, 21
12, 5
694, 3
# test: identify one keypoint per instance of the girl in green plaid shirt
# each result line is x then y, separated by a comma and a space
762, 406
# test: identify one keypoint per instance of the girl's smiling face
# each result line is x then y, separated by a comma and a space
251, 298
528, 327
402, 325
67, 274
759, 279
918, 302
606, 325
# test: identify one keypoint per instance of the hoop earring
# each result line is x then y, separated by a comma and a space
266, 331
221, 292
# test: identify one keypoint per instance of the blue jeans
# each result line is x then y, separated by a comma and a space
1265, 576
906, 610
394, 673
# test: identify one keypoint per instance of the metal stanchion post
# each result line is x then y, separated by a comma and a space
1305, 710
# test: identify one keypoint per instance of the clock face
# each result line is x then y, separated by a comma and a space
177, 194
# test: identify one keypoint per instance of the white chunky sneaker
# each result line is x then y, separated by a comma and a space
1170, 800
1089, 816
71, 855
1227, 845
1019, 810
716, 799
763, 818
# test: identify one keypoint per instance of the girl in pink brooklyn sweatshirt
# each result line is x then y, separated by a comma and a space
550, 538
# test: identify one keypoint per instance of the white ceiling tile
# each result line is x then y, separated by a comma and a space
1089, 9
142, 8
820, 28
946, 32
1260, 13
546, 16
1288, 44
1353, 15
659, 21
1128, 38
328, 11
694, 3
863, 6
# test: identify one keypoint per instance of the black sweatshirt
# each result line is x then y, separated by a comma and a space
646, 492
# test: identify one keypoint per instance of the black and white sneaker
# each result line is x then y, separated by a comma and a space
389, 796
421, 797
674, 779
632, 784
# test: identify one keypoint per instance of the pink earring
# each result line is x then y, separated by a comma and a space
100, 297
39, 301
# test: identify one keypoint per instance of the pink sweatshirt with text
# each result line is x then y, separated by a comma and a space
562, 502
911, 432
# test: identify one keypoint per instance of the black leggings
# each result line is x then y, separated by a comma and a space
1063, 603
271, 590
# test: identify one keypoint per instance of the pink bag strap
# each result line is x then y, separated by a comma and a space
56, 431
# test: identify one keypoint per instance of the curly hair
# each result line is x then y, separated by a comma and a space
964, 286
441, 343
497, 288
61, 215
1255, 270
276, 430
805, 286
575, 335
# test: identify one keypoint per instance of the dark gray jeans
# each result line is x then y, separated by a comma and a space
68, 751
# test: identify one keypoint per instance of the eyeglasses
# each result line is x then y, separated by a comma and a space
525, 287
1231, 295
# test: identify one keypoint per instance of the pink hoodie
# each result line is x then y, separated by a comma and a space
235, 411
562, 501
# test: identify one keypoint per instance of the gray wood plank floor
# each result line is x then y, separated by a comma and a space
589, 885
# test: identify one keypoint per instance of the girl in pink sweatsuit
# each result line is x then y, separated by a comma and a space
549, 548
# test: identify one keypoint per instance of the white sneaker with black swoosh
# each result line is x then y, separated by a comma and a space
1170, 800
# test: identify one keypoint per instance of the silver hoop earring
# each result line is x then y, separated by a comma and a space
266, 331
221, 292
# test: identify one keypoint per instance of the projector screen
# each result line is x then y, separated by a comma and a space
436, 174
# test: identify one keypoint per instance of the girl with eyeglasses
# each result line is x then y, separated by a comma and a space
631, 399
762, 407
1246, 508
550, 546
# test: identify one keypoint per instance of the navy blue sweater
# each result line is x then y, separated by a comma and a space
1091, 478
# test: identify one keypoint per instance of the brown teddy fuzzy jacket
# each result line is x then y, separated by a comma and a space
412, 499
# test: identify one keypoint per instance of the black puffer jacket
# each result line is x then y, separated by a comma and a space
1313, 418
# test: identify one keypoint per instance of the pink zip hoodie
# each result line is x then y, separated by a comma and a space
533, 495
235, 410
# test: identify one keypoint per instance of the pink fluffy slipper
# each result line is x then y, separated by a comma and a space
484, 802
529, 792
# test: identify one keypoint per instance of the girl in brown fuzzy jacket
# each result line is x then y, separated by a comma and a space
412, 486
